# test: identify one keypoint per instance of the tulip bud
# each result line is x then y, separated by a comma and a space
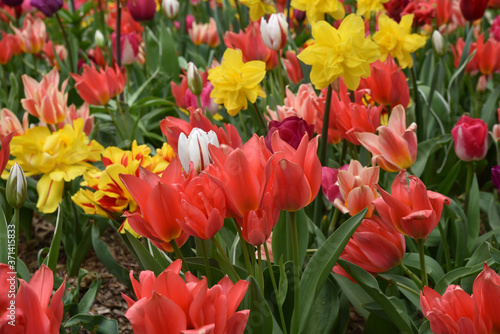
99, 39
274, 32
438, 42
170, 8
471, 138
195, 83
195, 148
16, 188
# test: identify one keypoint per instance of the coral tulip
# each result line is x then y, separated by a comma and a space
471, 138
486, 293
33, 35
395, 147
5, 49
142, 10
10, 123
97, 87
258, 224
5, 151
292, 66
473, 9
412, 209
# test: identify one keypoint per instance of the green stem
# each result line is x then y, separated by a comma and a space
178, 253
259, 116
207, 264
418, 112
68, 46
333, 223
421, 254
412, 275
261, 274
445, 247
275, 288
243, 125
470, 174
16, 239
296, 267
240, 17
226, 258
122, 115
198, 99
243, 244
114, 121
280, 74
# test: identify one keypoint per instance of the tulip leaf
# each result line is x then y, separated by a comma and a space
55, 245
451, 176
3, 238
473, 214
393, 307
458, 221
458, 274
424, 151
94, 323
168, 58
282, 243
488, 113
260, 319
324, 310
104, 255
198, 264
425, 328
146, 260
434, 269
493, 216
376, 324
356, 295
320, 266
88, 299
283, 284
407, 287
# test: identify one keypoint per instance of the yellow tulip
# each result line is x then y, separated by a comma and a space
344, 52
236, 82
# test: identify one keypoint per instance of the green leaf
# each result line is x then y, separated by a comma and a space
458, 274
459, 222
493, 217
451, 176
260, 318
393, 307
3, 238
94, 323
425, 328
424, 151
146, 260
376, 324
22, 270
321, 265
55, 245
104, 255
324, 310
473, 214
488, 113
283, 284
433, 268
168, 58
356, 295
282, 243
407, 287
88, 299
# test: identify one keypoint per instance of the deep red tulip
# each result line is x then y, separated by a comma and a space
473, 10
412, 209
142, 10
291, 130
471, 138
330, 184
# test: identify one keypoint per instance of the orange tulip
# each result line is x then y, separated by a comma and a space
97, 87
357, 188
33, 35
297, 173
395, 147
486, 56
412, 209
5, 49
44, 100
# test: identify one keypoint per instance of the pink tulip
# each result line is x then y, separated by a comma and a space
471, 138
412, 209
395, 147
33, 35
10, 123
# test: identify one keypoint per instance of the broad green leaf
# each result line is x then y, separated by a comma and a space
488, 113
95, 323
458, 274
283, 284
55, 245
424, 151
282, 244
356, 295
324, 311
88, 299
146, 260
473, 214
3, 238
434, 269
260, 319
321, 265
407, 287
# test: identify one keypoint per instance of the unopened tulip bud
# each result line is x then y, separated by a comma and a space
274, 32
438, 42
99, 39
195, 83
170, 8
16, 188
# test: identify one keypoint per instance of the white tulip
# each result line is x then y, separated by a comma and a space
170, 8
195, 148
438, 42
274, 32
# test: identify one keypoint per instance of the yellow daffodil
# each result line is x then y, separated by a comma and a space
397, 39
366, 7
60, 156
344, 52
259, 8
316, 9
236, 82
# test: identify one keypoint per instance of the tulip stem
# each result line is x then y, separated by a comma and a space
207, 264
114, 121
421, 254
333, 223
240, 17
224, 256
243, 125
65, 36
470, 174
418, 112
243, 244
280, 74
178, 253
412, 275
445, 247
118, 34
275, 287
296, 267
119, 107
259, 116
261, 274
16, 239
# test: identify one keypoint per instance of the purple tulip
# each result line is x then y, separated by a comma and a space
329, 183
495, 177
12, 3
291, 130
48, 7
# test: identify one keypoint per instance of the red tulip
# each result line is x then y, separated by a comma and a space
486, 293
129, 47
387, 83
486, 55
32, 311
297, 173
473, 9
191, 306
444, 11
494, 3
375, 246
142, 10
413, 210
5, 49
258, 224
471, 138
292, 66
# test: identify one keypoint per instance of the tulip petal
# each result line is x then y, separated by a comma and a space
291, 190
